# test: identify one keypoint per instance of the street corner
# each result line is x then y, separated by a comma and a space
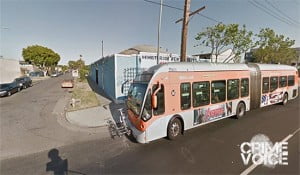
89, 118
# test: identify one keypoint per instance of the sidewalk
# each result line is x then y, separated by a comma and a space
91, 117
95, 116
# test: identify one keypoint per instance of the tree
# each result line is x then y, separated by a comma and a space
76, 64
274, 48
83, 72
40, 56
64, 68
222, 37
80, 65
72, 65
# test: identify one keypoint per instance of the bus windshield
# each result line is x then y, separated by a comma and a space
136, 94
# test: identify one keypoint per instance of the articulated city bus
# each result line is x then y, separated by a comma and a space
168, 99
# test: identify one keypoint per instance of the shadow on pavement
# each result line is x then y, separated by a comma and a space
58, 165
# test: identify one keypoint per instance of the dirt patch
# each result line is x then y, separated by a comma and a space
82, 96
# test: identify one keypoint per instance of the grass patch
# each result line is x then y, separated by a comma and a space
84, 93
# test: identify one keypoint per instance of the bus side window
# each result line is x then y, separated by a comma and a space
185, 95
266, 87
160, 100
244, 87
283, 81
273, 83
201, 93
291, 80
233, 89
218, 91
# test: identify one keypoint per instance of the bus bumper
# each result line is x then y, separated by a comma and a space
138, 135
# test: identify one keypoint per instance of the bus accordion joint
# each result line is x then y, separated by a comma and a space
154, 96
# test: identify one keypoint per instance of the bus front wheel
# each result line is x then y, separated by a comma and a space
285, 99
174, 129
240, 110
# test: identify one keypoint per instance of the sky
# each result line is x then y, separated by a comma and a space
77, 27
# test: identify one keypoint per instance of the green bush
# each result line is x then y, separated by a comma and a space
83, 73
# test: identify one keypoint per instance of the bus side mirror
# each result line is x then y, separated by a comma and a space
154, 101
154, 96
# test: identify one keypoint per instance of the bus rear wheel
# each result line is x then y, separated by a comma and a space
174, 129
240, 110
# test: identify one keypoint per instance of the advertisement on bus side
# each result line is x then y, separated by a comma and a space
271, 98
212, 113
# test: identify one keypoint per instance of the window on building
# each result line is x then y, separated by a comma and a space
244, 87
160, 100
218, 91
201, 93
185, 95
291, 80
233, 89
273, 83
266, 85
283, 81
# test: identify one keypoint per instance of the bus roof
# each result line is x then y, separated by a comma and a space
189, 66
276, 67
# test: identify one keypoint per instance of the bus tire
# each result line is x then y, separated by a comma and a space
174, 129
240, 110
285, 99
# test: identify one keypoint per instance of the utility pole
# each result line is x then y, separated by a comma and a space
186, 15
158, 34
185, 19
102, 48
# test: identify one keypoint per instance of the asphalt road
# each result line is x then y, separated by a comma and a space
32, 120
210, 149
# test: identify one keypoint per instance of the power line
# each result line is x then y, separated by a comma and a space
164, 5
204, 16
261, 8
282, 13
271, 11
275, 13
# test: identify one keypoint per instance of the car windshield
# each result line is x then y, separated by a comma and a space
136, 94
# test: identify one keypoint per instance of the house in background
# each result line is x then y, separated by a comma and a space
9, 70
26, 68
224, 57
